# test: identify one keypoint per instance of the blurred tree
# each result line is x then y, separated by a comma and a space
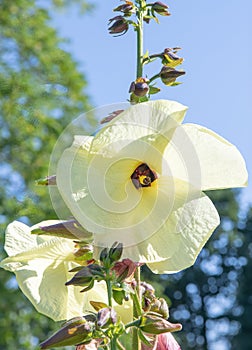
204, 297
41, 90
244, 340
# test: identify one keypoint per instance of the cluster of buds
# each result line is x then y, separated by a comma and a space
89, 329
170, 60
119, 25
104, 324
150, 303
141, 89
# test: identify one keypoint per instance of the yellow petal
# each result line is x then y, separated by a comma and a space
41, 265
136, 122
182, 239
205, 159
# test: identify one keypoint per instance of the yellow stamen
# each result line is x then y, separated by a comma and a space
145, 180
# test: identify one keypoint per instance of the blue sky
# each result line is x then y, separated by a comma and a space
215, 37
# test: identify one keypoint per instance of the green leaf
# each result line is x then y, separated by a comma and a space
153, 90
118, 296
175, 83
97, 305
146, 55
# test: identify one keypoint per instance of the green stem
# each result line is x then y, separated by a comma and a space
113, 344
133, 324
155, 55
156, 76
138, 283
109, 291
137, 310
136, 342
139, 31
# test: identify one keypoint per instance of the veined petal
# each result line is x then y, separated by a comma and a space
18, 238
207, 160
39, 266
42, 265
192, 226
138, 121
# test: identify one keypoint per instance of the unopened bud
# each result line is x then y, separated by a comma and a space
128, 8
119, 25
86, 275
160, 8
104, 256
160, 306
152, 324
115, 252
170, 59
125, 269
111, 116
147, 289
169, 75
139, 87
83, 252
74, 332
106, 316
67, 229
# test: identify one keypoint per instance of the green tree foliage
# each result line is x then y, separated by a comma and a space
243, 340
41, 91
204, 297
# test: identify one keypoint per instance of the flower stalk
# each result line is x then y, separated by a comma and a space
139, 30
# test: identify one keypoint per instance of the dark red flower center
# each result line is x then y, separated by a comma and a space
143, 176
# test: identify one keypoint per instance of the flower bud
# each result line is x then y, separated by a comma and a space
111, 116
75, 331
66, 229
106, 316
147, 289
160, 8
104, 256
125, 269
86, 275
115, 252
128, 8
119, 26
152, 324
83, 252
160, 306
139, 87
169, 75
170, 59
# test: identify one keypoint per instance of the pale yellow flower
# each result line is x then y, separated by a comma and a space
41, 265
139, 181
